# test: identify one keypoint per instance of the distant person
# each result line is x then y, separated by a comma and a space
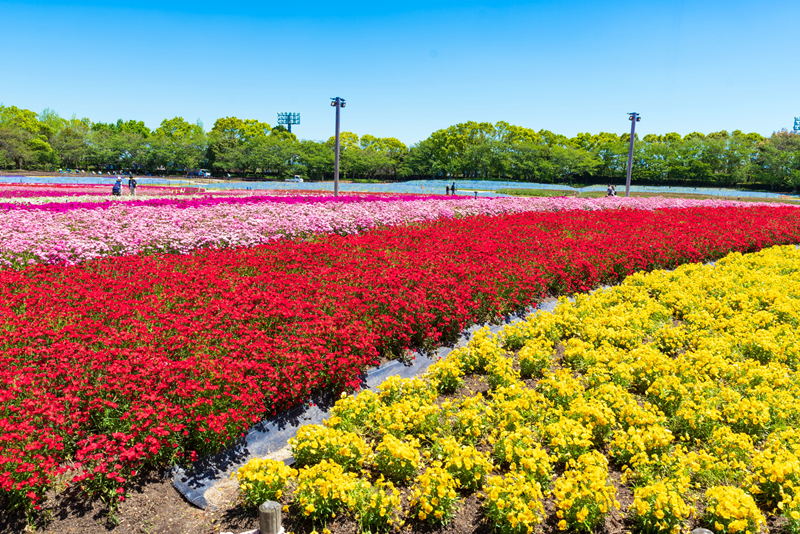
132, 185
609, 191
613, 191
116, 189
447, 189
453, 188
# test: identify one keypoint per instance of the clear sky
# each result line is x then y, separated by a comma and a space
409, 68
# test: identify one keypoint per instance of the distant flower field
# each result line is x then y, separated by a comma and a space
60, 230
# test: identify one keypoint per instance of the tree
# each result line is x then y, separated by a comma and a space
71, 142
779, 157
276, 153
529, 161
651, 158
28, 130
380, 156
229, 139
450, 146
14, 146
370, 163
178, 144
315, 159
422, 161
611, 154
571, 162
281, 132
123, 144
348, 150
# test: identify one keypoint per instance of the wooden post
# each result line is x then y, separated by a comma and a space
269, 518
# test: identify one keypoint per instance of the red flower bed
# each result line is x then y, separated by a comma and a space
130, 361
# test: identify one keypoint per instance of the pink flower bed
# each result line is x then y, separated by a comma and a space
74, 232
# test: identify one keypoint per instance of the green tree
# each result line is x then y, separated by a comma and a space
276, 153
315, 160
779, 157
380, 156
14, 146
530, 161
23, 125
571, 163
611, 154
71, 142
422, 160
178, 144
230, 139
349, 151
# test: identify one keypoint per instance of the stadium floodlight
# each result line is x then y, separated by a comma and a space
287, 119
634, 118
338, 103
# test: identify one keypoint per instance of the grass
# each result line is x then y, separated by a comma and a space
596, 194
537, 192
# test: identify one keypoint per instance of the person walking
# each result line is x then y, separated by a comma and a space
132, 185
447, 189
116, 189
453, 188
609, 191
613, 191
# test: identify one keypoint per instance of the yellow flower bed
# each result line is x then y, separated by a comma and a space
514, 503
396, 459
583, 495
325, 489
685, 381
314, 443
434, 497
660, 507
730, 510
262, 480
467, 465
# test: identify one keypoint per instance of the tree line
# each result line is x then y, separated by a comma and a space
475, 150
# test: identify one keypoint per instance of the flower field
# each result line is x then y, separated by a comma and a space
121, 363
677, 390
37, 194
56, 232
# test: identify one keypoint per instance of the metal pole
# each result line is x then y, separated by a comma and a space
336, 161
630, 155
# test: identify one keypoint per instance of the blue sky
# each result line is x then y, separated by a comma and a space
407, 69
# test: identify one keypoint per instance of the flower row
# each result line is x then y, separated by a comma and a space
70, 233
36, 193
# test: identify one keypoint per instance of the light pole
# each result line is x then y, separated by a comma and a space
634, 118
338, 103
